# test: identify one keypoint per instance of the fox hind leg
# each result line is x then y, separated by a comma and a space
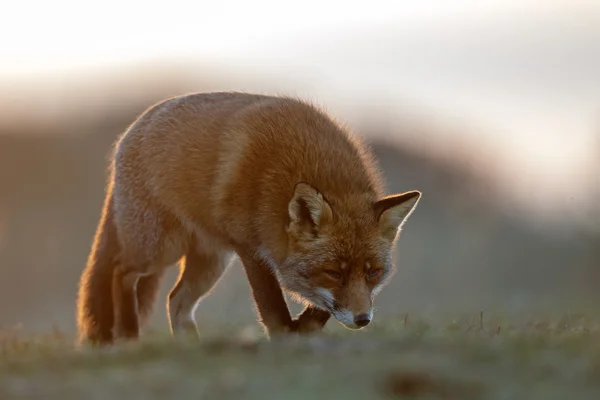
125, 302
147, 290
148, 247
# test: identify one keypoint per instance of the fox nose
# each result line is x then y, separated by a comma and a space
362, 320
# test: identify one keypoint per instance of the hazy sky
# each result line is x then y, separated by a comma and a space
536, 92
41, 35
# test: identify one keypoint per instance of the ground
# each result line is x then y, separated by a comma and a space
473, 358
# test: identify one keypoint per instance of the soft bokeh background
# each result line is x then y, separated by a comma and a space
490, 108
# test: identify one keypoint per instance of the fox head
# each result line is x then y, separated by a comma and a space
340, 253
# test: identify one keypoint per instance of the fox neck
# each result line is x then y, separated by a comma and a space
273, 243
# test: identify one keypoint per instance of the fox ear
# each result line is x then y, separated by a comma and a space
392, 212
308, 210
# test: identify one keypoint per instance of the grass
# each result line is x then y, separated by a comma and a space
469, 358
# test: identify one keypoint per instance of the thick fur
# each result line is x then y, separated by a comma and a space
94, 308
208, 176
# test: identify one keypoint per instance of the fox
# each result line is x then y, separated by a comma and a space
203, 179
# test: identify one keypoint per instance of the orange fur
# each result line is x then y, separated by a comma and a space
208, 176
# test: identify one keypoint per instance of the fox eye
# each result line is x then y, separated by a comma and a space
374, 273
333, 273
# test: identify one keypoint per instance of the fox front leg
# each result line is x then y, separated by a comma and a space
312, 319
272, 309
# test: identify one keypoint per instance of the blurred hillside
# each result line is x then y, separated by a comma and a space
462, 250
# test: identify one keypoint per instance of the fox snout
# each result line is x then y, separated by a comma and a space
362, 320
352, 308
353, 320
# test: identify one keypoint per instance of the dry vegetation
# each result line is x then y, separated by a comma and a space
470, 358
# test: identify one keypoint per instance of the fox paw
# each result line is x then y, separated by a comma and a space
311, 320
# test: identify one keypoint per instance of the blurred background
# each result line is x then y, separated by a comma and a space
490, 108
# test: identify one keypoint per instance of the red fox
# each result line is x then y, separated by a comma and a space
205, 177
